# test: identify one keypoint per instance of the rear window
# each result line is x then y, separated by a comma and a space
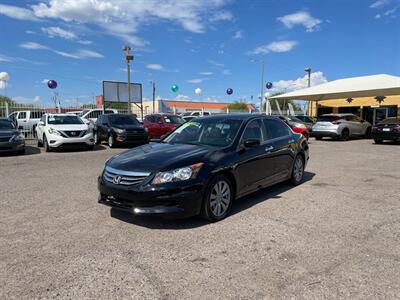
391, 121
328, 118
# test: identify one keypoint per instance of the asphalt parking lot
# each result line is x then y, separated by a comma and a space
335, 236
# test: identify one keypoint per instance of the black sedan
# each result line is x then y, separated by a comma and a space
11, 140
202, 166
388, 129
119, 129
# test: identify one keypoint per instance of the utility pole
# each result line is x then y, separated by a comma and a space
128, 58
262, 86
154, 95
308, 71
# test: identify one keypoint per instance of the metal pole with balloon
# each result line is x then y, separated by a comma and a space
52, 84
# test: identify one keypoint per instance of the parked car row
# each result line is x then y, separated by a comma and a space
11, 139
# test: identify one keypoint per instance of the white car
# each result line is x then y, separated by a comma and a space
91, 115
63, 131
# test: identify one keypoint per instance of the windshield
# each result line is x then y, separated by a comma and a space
123, 120
173, 120
6, 124
210, 132
64, 120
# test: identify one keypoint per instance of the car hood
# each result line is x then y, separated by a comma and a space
155, 157
71, 127
8, 132
128, 127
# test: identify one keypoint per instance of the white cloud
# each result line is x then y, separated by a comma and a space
379, 3
44, 81
197, 80
123, 19
5, 58
238, 35
53, 32
22, 99
207, 73
154, 67
299, 83
226, 72
17, 12
182, 98
33, 46
280, 46
215, 64
79, 54
300, 18
85, 42
30, 32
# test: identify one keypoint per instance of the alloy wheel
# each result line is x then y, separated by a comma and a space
298, 169
111, 141
220, 198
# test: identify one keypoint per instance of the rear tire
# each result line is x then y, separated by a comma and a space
298, 170
368, 133
46, 146
318, 138
345, 134
378, 141
218, 198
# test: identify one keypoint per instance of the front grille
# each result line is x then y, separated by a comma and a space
120, 177
5, 139
74, 133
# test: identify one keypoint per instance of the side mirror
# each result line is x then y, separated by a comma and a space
251, 143
41, 123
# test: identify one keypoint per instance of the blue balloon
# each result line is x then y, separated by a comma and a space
52, 84
229, 91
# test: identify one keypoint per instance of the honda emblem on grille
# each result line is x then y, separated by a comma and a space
117, 179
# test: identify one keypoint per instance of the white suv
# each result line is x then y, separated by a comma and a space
93, 114
63, 131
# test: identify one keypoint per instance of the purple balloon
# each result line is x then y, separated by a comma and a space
229, 91
269, 85
52, 84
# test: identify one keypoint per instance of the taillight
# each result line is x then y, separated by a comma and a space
336, 122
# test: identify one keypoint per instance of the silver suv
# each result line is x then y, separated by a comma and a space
340, 126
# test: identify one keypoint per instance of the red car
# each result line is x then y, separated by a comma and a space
160, 124
297, 125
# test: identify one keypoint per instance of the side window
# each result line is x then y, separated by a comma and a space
22, 115
350, 118
276, 129
253, 130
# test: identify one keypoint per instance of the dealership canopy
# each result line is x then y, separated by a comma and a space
364, 86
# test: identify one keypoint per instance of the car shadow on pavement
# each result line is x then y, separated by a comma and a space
29, 150
73, 149
239, 205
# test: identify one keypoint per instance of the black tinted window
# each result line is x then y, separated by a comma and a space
276, 128
253, 131
122, 120
22, 115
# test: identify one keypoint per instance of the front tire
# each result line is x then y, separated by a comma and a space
218, 199
96, 138
46, 144
111, 141
298, 170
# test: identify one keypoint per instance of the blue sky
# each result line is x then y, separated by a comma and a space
210, 44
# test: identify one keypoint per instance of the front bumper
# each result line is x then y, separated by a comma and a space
172, 201
11, 147
131, 139
56, 141
383, 135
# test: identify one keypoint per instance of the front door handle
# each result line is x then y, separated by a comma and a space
269, 149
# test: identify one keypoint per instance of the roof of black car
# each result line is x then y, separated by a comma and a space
242, 116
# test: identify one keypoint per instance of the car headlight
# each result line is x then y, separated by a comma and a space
119, 131
179, 174
53, 131
17, 138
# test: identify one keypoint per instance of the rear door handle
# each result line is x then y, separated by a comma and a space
269, 149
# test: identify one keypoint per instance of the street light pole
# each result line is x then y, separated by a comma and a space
128, 58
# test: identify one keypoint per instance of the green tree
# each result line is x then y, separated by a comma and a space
238, 106
5, 99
